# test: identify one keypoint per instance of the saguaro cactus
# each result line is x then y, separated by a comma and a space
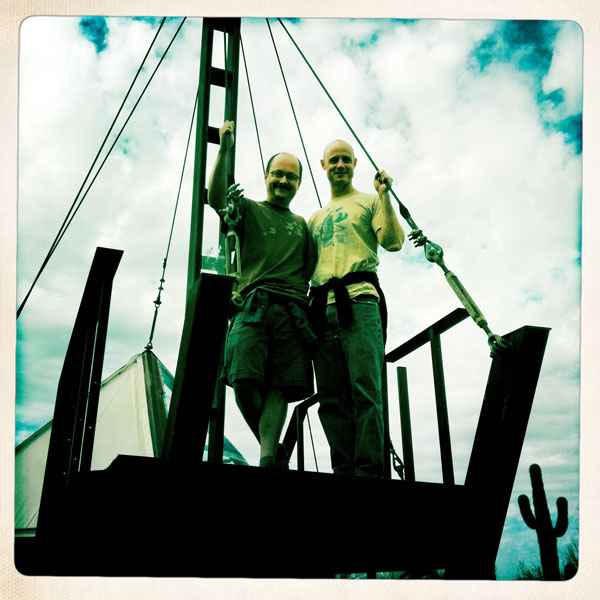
542, 523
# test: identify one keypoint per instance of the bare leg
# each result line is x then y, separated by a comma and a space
271, 421
264, 411
249, 399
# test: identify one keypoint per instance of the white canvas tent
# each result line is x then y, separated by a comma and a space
132, 412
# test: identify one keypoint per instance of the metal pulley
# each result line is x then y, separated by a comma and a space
435, 254
397, 462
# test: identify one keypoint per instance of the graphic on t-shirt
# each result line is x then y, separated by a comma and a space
330, 228
294, 228
326, 231
341, 216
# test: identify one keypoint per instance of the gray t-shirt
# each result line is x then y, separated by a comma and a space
276, 250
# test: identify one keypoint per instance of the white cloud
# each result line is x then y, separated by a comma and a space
468, 152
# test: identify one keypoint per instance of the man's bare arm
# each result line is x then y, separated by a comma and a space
389, 232
217, 183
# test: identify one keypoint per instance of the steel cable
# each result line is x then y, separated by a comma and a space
294, 112
403, 210
158, 300
73, 211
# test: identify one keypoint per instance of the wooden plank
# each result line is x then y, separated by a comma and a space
294, 432
157, 415
198, 366
405, 424
199, 195
441, 407
496, 450
445, 323
73, 424
147, 517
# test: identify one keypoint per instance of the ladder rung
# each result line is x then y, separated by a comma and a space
223, 24
217, 77
213, 135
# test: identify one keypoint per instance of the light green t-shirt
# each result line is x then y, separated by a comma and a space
345, 234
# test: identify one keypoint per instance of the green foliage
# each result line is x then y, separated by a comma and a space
569, 558
428, 574
529, 572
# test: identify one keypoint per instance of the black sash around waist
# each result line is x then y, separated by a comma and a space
318, 296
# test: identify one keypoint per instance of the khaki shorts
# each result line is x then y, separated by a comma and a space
271, 353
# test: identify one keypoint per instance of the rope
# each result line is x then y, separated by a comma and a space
262, 162
72, 212
403, 210
293, 112
158, 301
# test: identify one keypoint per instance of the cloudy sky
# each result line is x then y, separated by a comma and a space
479, 124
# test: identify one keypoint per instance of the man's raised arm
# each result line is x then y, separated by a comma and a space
217, 183
389, 232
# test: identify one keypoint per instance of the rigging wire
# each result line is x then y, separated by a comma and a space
225, 65
403, 210
312, 441
63, 226
293, 112
433, 252
72, 212
128, 118
158, 300
262, 161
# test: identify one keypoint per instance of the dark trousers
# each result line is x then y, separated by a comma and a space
348, 366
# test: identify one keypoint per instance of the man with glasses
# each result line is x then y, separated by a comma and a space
266, 355
349, 314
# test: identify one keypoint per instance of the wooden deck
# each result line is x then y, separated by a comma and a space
147, 517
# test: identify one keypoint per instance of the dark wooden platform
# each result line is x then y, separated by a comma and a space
176, 516
147, 517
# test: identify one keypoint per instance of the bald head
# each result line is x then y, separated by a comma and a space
339, 163
337, 144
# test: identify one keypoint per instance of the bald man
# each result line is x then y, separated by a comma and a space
267, 360
348, 310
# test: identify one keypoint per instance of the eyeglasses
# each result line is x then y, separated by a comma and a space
282, 174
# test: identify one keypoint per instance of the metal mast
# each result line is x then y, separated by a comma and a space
197, 398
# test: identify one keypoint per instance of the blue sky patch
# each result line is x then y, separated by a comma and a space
483, 55
352, 43
529, 46
96, 30
151, 20
555, 97
528, 43
404, 21
571, 127
124, 146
